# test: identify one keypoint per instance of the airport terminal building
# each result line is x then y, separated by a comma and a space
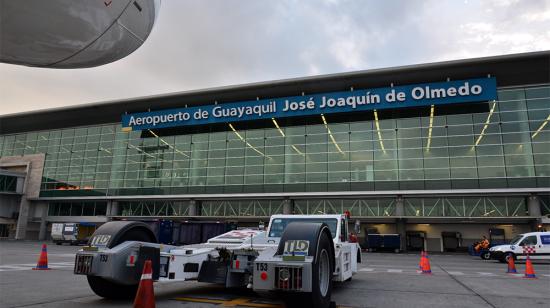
459, 146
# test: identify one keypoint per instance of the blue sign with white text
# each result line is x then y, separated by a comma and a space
459, 91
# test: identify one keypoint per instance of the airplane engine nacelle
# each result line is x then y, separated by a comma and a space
73, 33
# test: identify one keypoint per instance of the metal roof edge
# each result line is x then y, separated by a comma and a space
246, 86
317, 195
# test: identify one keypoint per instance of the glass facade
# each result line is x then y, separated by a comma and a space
241, 208
8, 183
77, 208
357, 207
545, 204
505, 144
466, 207
153, 208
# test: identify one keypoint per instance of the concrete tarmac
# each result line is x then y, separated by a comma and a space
383, 280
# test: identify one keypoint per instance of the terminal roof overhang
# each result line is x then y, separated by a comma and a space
510, 71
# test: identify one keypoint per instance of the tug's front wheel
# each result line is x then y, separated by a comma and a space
119, 233
108, 289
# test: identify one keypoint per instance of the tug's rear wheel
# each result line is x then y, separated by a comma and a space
321, 248
322, 275
321, 278
112, 290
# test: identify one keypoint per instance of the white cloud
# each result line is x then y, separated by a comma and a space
537, 16
504, 3
475, 27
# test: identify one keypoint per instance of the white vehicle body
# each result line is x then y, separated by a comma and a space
538, 241
57, 232
345, 252
72, 233
240, 258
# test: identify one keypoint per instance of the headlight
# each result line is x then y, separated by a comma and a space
284, 274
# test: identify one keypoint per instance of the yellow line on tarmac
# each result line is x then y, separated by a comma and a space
200, 300
246, 302
235, 302
229, 303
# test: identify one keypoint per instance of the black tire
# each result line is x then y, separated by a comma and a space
506, 256
115, 230
485, 255
112, 290
135, 235
320, 298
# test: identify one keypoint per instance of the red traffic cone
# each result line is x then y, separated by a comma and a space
145, 296
529, 271
426, 269
511, 265
43, 259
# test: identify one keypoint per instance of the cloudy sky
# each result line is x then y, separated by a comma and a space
199, 44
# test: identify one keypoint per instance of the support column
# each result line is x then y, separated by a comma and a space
43, 223
401, 228
400, 222
533, 206
288, 206
399, 207
193, 208
20, 186
21, 229
113, 208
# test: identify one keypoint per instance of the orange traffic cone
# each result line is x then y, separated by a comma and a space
145, 296
426, 269
511, 266
529, 271
43, 259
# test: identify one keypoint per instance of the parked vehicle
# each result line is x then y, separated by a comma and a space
72, 233
452, 241
381, 242
496, 237
185, 232
538, 241
299, 254
416, 240
57, 233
